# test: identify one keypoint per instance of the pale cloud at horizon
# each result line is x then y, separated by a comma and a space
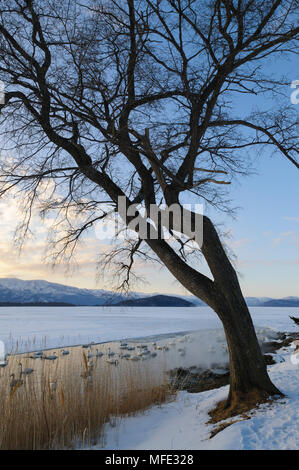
82, 272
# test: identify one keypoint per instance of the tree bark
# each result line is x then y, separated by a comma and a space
248, 370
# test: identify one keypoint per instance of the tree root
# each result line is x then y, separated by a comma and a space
222, 426
238, 404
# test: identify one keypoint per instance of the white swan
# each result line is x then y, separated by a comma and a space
135, 358
26, 371
125, 355
110, 353
15, 382
112, 361
52, 357
52, 386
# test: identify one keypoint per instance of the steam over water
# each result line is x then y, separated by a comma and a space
198, 335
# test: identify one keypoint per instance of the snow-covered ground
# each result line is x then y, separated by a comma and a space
35, 327
181, 424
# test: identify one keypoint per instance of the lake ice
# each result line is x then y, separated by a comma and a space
37, 327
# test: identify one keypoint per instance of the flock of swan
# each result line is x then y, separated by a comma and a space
128, 350
123, 350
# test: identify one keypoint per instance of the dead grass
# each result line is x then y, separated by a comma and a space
239, 405
68, 401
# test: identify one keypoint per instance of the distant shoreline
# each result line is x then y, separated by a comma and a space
58, 304
152, 301
40, 304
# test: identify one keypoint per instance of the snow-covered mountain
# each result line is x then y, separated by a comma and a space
14, 290
256, 301
17, 290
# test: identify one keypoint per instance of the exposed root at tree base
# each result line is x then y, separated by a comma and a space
222, 426
240, 403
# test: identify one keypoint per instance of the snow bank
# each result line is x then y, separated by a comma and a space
181, 424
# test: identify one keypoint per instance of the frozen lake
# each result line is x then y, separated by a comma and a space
36, 327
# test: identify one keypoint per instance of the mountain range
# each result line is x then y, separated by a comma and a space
17, 291
157, 301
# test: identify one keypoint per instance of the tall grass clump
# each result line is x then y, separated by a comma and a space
67, 402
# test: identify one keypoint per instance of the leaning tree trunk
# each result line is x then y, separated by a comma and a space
248, 370
249, 379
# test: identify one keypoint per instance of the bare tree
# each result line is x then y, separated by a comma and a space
138, 99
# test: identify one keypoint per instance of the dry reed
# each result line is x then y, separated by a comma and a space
66, 403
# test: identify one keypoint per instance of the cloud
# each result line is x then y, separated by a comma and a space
30, 261
240, 243
292, 219
291, 235
281, 236
268, 262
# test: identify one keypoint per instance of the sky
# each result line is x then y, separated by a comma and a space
265, 233
263, 236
